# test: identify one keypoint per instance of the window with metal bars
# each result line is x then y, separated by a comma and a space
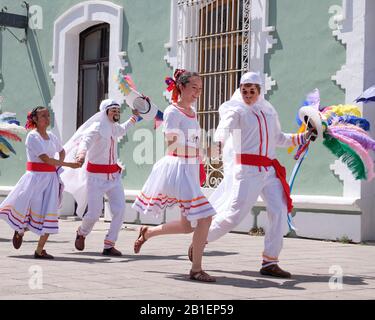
213, 39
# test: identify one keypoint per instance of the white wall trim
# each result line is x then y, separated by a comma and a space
350, 31
261, 40
65, 58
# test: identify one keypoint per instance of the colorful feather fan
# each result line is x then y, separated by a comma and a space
346, 137
9, 130
345, 134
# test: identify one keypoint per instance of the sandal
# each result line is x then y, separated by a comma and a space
141, 239
17, 240
201, 276
43, 255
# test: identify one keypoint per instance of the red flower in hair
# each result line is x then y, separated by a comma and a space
172, 84
178, 73
30, 123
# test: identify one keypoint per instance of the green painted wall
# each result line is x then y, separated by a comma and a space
305, 57
24, 70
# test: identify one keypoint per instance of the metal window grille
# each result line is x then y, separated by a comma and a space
214, 40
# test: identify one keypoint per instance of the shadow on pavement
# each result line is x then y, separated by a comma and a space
65, 259
262, 282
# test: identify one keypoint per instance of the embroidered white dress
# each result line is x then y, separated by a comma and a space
33, 203
175, 180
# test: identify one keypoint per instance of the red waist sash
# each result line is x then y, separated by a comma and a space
261, 161
202, 172
40, 167
103, 168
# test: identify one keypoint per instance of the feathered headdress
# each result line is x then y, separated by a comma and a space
10, 129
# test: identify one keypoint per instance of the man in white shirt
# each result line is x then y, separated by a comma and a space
95, 146
249, 126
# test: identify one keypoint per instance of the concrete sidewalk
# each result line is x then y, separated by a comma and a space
160, 271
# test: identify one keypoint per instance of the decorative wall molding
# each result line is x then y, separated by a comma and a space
348, 27
352, 187
66, 54
350, 31
261, 40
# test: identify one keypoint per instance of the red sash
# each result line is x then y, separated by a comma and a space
103, 168
40, 167
202, 172
261, 161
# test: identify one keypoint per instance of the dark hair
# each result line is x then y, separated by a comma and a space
30, 123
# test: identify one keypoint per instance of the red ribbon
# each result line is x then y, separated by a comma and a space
103, 168
261, 161
40, 167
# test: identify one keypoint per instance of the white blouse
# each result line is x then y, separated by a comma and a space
184, 126
36, 146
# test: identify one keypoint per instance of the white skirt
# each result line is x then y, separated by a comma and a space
174, 181
33, 203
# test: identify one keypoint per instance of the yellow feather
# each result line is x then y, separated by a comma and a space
341, 110
4, 149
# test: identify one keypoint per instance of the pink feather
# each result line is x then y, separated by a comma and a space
348, 126
366, 158
130, 82
363, 139
10, 135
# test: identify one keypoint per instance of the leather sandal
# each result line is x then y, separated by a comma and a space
141, 239
17, 240
43, 255
80, 242
201, 276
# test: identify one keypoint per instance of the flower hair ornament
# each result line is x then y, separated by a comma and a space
172, 84
30, 124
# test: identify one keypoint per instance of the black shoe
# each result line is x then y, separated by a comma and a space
275, 271
112, 252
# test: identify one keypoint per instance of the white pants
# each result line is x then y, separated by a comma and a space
96, 189
246, 189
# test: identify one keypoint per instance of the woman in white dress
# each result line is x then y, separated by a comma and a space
34, 201
174, 179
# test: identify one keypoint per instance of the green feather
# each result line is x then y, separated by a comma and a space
347, 156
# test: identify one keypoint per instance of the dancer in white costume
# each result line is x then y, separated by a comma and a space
250, 130
94, 145
174, 179
34, 201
